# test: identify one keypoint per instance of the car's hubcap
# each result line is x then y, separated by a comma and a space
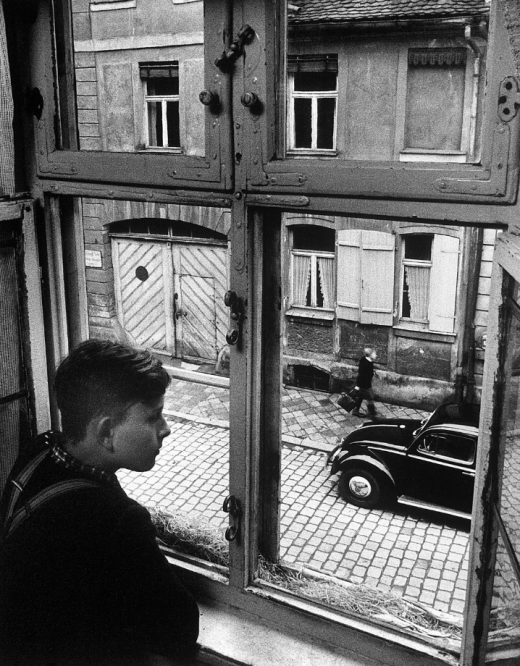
360, 487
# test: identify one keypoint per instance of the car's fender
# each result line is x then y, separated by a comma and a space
343, 462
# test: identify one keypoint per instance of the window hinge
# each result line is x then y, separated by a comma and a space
509, 98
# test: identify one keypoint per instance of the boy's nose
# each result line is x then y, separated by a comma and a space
165, 430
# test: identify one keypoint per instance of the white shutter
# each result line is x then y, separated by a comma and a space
377, 278
443, 284
349, 274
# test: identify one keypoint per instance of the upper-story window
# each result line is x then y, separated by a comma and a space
313, 102
438, 105
162, 124
313, 267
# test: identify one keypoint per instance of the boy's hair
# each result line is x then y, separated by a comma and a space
104, 377
368, 350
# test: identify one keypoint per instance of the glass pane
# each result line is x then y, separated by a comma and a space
127, 52
411, 84
381, 530
505, 611
326, 118
302, 123
156, 275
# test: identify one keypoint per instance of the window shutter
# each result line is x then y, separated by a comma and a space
443, 284
349, 274
377, 278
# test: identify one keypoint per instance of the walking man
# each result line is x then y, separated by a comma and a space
364, 382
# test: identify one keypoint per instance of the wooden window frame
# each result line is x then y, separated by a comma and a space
314, 96
150, 169
264, 189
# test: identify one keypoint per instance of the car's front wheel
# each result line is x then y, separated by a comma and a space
360, 488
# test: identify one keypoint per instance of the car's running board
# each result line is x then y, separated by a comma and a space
409, 501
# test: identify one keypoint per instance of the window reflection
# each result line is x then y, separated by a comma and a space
392, 81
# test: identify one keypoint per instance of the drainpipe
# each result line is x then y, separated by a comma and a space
465, 386
476, 76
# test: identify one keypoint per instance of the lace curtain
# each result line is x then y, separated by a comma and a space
6, 117
418, 281
301, 278
326, 270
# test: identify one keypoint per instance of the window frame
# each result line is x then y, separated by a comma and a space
163, 99
255, 391
314, 96
485, 182
152, 169
466, 154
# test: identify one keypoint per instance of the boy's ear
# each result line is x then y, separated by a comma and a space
104, 431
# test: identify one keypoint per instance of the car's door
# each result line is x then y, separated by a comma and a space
441, 469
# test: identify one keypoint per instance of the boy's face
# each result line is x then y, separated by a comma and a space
138, 437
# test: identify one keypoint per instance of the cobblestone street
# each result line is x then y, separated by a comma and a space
419, 555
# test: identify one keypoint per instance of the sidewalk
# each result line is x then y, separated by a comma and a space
309, 418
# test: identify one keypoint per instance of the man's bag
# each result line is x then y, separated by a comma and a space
346, 401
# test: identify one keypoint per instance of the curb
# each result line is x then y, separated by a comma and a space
287, 440
197, 377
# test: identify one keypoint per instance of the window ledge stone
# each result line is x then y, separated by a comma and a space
316, 316
432, 336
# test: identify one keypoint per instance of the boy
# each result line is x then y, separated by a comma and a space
364, 382
80, 569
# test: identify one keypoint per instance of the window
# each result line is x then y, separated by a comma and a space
313, 101
161, 81
312, 263
437, 106
417, 263
429, 281
239, 162
456, 448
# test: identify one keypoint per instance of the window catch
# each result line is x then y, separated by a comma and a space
236, 48
234, 303
232, 506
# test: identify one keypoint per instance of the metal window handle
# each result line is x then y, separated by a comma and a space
236, 48
211, 100
252, 102
234, 303
232, 506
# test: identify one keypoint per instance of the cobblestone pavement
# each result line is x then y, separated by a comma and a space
419, 555
307, 415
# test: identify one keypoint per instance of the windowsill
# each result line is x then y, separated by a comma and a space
422, 334
257, 626
314, 315
110, 5
295, 152
416, 155
158, 149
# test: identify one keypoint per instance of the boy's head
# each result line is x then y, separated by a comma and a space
104, 377
370, 353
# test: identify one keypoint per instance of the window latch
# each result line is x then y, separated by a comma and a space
232, 506
234, 303
236, 48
